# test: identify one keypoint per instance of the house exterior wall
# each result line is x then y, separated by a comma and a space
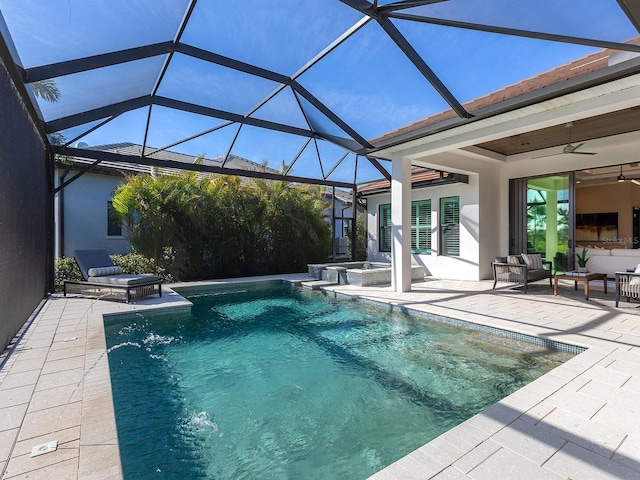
85, 214
480, 206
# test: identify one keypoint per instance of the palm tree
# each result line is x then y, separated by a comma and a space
46, 90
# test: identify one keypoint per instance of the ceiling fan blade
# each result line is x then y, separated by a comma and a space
550, 155
583, 153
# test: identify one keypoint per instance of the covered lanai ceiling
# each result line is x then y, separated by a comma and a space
310, 88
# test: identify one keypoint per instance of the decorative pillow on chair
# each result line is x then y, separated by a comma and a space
533, 261
514, 259
635, 280
102, 271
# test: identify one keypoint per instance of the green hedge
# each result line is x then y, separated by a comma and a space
219, 227
133, 263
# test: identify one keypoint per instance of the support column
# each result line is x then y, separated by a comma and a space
401, 225
552, 226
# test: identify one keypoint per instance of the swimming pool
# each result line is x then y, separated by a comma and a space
275, 382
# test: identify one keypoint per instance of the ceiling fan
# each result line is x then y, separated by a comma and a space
621, 178
569, 148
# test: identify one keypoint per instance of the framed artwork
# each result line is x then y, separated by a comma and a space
597, 227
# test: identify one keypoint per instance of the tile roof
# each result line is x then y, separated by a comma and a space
133, 149
589, 63
420, 176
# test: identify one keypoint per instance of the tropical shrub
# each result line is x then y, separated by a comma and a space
217, 226
65, 269
134, 263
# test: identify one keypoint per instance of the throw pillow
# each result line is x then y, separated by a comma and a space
102, 271
635, 280
514, 259
533, 261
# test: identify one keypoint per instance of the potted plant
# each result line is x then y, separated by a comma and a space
582, 261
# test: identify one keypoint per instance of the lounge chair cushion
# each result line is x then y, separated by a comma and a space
92, 261
124, 279
87, 259
102, 271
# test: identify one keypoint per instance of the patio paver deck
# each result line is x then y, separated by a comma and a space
580, 420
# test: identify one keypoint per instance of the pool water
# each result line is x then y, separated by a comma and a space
274, 382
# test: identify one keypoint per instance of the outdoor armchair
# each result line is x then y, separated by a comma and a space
513, 269
627, 285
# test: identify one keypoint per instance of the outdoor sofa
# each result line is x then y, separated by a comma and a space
105, 280
521, 269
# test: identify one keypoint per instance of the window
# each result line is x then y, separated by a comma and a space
449, 226
384, 228
114, 227
421, 226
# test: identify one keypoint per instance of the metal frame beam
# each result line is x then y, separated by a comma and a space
68, 67
631, 8
102, 156
402, 5
382, 17
82, 171
274, 77
228, 62
192, 137
376, 163
362, 6
96, 114
327, 112
232, 117
422, 66
517, 32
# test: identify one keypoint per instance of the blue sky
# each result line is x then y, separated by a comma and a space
366, 80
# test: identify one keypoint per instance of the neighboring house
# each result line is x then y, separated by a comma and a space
82, 207
82, 218
340, 214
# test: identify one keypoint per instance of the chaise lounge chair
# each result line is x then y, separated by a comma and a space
103, 278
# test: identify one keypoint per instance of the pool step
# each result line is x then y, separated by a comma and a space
317, 284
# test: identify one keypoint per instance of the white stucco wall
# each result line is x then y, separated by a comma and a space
85, 215
480, 218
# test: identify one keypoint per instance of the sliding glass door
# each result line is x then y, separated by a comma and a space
549, 224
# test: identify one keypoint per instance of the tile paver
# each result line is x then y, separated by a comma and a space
581, 420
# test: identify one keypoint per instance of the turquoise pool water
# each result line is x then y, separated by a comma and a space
273, 382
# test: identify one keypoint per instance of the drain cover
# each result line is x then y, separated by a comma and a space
44, 448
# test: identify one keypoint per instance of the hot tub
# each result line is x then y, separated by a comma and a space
360, 273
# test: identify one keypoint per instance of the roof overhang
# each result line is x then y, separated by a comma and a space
609, 90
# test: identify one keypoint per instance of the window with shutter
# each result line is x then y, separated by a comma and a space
421, 226
449, 226
384, 228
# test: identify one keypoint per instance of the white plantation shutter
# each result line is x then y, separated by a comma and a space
384, 228
450, 226
421, 226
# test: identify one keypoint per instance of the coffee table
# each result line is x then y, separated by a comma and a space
580, 277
